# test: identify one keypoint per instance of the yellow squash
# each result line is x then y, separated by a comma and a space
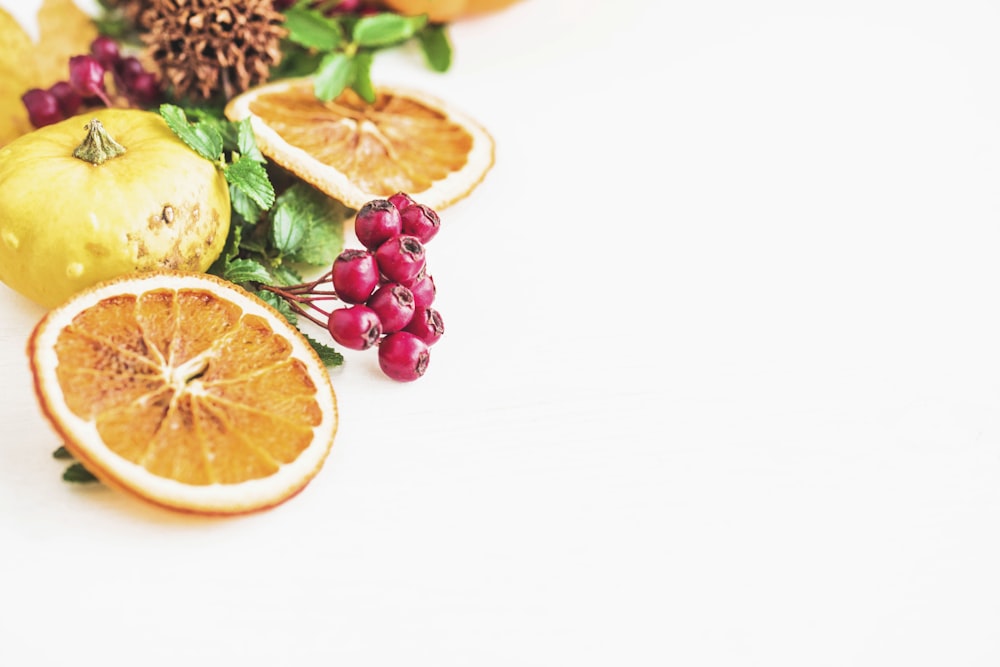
83, 201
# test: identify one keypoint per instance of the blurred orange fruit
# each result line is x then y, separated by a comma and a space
185, 390
442, 11
406, 141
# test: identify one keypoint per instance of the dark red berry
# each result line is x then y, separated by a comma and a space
401, 200
420, 221
144, 89
355, 327
282, 5
68, 99
426, 325
129, 69
105, 51
401, 258
423, 290
86, 75
355, 275
377, 222
43, 107
403, 356
393, 304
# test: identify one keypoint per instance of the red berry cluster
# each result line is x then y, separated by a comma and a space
385, 287
86, 85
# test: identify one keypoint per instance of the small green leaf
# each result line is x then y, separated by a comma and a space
202, 137
363, 76
244, 206
334, 74
279, 305
328, 355
61, 453
322, 220
386, 29
285, 275
77, 473
249, 176
311, 29
296, 61
287, 231
245, 271
247, 142
436, 46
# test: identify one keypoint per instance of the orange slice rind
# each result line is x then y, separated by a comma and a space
406, 141
185, 390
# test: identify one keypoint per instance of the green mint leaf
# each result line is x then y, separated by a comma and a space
328, 355
322, 220
214, 118
287, 229
363, 76
249, 176
77, 473
296, 61
246, 208
247, 142
246, 271
334, 74
386, 29
61, 453
279, 305
436, 46
311, 29
201, 137
285, 275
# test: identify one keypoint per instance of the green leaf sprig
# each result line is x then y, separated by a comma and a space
242, 164
339, 50
272, 238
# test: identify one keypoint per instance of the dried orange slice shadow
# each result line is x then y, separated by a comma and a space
185, 390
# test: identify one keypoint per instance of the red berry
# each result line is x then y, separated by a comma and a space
355, 327
401, 258
43, 107
377, 222
355, 275
401, 200
403, 357
86, 75
426, 325
423, 290
393, 304
420, 221
69, 101
129, 69
144, 90
105, 50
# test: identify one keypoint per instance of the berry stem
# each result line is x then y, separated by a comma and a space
98, 146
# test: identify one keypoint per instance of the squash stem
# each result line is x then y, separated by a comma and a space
98, 146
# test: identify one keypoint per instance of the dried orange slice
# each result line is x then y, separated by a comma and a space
406, 141
185, 390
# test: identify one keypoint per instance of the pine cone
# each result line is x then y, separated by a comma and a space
207, 47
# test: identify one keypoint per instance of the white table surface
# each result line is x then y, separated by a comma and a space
720, 383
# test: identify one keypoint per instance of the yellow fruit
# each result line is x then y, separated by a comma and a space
185, 390
406, 141
442, 11
66, 224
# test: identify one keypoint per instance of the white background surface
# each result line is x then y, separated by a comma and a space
720, 383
